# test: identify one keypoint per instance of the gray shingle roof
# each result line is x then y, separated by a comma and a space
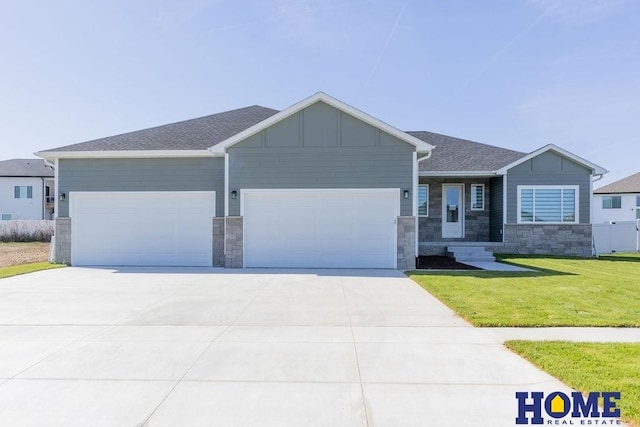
194, 134
450, 155
630, 184
25, 167
460, 155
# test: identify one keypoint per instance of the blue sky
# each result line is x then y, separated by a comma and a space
513, 73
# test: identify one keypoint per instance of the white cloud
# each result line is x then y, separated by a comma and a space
579, 12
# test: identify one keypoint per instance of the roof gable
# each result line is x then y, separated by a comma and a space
25, 168
597, 170
630, 184
420, 145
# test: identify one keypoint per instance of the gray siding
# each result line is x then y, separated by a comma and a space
321, 147
549, 169
496, 216
179, 174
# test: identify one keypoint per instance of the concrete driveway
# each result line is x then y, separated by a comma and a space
182, 347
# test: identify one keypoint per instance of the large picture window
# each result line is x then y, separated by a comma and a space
611, 202
423, 200
547, 204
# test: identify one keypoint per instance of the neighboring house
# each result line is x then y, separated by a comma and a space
618, 201
26, 189
319, 184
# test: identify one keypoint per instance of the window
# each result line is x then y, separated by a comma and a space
423, 200
6, 217
611, 202
548, 204
23, 192
477, 197
637, 207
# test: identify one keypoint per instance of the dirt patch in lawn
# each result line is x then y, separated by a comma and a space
441, 263
23, 253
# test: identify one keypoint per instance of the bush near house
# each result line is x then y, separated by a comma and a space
26, 231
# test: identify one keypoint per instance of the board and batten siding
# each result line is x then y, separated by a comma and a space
177, 174
549, 168
321, 147
496, 215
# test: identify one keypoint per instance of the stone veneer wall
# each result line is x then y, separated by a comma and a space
476, 223
406, 243
63, 240
550, 239
218, 242
233, 257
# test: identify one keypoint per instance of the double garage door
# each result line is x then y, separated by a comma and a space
281, 228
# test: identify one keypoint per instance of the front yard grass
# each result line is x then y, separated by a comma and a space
591, 367
26, 268
601, 291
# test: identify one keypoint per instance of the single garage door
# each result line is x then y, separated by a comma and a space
320, 228
142, 228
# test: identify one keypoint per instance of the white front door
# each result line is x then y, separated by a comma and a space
320, 228
452, 210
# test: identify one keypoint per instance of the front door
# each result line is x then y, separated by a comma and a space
452, 210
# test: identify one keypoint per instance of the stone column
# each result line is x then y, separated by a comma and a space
63, 240
218, 242
406, 242
233, 257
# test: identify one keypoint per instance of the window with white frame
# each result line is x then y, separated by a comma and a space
423, 200
611, 202
6, 217
477, 197
23, 192
637, 207
548, 204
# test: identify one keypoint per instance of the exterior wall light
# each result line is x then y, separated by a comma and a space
62, 197
234, 194
406, 194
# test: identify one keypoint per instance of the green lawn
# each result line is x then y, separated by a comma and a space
26, 268
591, 367
562, 292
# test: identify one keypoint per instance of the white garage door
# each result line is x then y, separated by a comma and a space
142, 228
320, 228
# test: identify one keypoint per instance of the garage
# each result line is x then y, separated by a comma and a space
320, 228
142, 228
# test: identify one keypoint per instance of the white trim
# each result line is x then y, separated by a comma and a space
151, 154
548, 187
414, 209
459, 174
226, 201
418, 210
56, 191
552, 147
483, 197
504, 204
321, 97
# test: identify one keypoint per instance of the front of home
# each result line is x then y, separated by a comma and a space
317, 185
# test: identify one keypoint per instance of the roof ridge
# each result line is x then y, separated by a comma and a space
464, 139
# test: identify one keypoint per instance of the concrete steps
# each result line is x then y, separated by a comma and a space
469, 254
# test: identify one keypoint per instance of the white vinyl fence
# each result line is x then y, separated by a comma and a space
616, 236
26, 230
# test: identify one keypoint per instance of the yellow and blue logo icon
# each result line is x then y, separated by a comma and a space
534, 406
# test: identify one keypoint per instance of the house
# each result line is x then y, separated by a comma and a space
618, 201
26, 190
319, 184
